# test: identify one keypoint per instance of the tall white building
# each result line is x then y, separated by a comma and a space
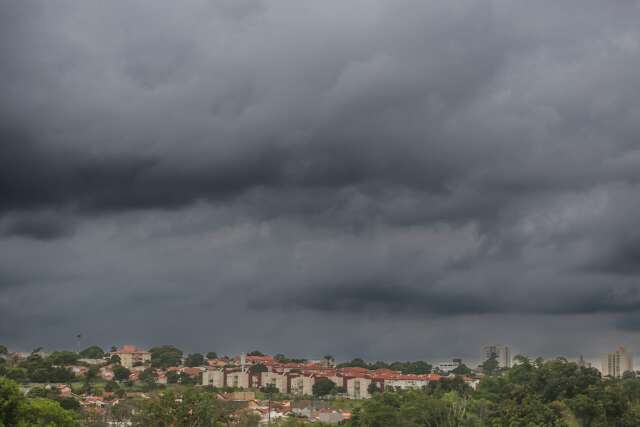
617, 363
502, 352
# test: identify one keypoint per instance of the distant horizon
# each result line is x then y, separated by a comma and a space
594, 360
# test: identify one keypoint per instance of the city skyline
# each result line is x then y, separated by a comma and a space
389, 179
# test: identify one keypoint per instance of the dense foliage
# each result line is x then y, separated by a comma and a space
553, 393
165, 356
417, 367
39, 370
323, 387
195, 359
93, 352
16, 409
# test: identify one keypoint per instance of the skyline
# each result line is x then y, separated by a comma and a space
401, 179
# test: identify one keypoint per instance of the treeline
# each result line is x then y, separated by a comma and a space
533, 393
37, 369
418, 367
16, 409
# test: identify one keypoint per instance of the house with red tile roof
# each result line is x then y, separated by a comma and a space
131, 356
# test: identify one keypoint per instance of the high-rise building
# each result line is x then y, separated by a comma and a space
617, 363
502, 353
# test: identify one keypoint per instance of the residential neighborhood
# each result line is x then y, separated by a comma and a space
129, 385
266, 387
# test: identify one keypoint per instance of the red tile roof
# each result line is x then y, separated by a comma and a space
130, 349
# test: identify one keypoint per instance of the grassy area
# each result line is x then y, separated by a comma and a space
346, 404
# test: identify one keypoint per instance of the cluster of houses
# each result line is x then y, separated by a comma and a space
286, 377
299, 378
236, 379
270, 411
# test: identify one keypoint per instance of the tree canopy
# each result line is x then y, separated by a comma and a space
165, 356
121, 373
418, 367
63, 358
195, 359
19, 410
323, 387
93, 352
257, 368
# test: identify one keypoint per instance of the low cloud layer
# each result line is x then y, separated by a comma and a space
386, 179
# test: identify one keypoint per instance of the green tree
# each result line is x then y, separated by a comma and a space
586, 409
93, 352
63, 358
70, 404
255, 353
419, 367
461, 369
491, 365
258, 368
115, 360
148, 376
60, 375
17, 374
121, 373
38, 392
354, 363
3, 350
45, 413
18, 410
373, 388
195, 359
165, 356
212, 355
323, 387
10, 400
172, 377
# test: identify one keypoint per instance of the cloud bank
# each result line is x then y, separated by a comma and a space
387, 179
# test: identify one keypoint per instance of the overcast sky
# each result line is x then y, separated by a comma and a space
394, 179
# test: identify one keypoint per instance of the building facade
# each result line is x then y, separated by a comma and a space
131, 356
617, 363
502, 352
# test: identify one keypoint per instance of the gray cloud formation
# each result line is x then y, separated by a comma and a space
326, 172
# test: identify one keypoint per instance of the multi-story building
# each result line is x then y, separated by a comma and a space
275, 379
237, 379
213, 377
502, 353
409, 381
617, 363
358, 388
131, 356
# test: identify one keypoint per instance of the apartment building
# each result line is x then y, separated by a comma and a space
214, 378
277, 380
131, 356
502, 352
237, 379
617, 363
358, 388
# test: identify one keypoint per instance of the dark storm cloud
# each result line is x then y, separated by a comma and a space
280, 162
